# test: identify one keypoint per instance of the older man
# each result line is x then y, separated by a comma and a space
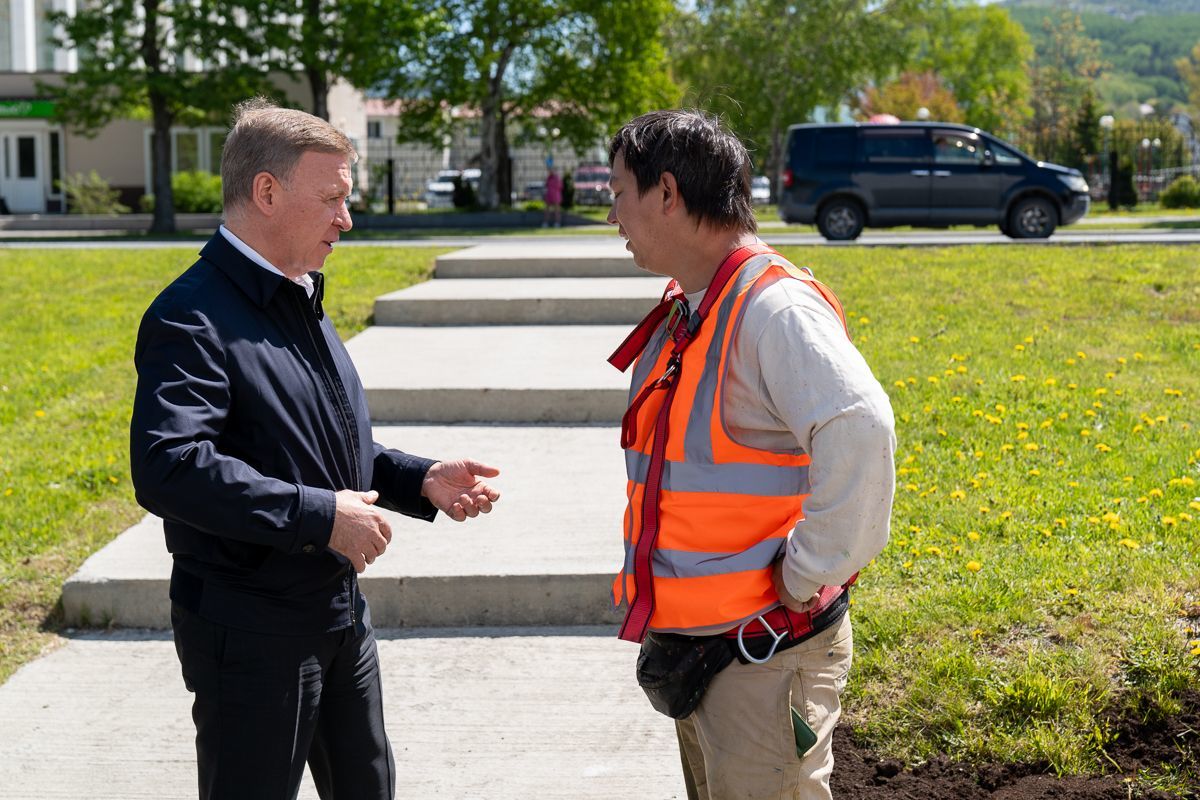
759, 470
251, 437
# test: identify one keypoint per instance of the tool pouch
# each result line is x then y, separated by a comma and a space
674, 671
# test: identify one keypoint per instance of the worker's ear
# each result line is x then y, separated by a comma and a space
668, 190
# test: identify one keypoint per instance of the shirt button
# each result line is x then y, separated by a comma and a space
308, 548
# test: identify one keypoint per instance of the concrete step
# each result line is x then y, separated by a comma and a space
528, 301
499, 714
545, 556
542, 374
587, 258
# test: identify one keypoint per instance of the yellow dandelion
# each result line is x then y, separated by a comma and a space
1155, 492
915, 339
1121, 360
958, 494
977, 632
1138, 428
1035, 472
864, 320
1093, 520
933, 379
899, 384
973, 536
1071, 592
1143, 499
1001, 408
1031, 446
1017, 378
1028, 340
1080, 354
908, 564
956, 399
974, 566
1060, 522
1004, 448
1019, 347
1073, 484
1169, 522
1085, 432
1070, 362
933, 551
1103, 448
1063, 415
39, 413
1046, 423
1005, 515
1129, 543
1194, 505
1110, 375
112, 479
1072, 385
961, 370
984, 510
1023, 435
8, 492
1050, 381
1184, 516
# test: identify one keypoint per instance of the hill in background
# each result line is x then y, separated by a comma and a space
1139, 40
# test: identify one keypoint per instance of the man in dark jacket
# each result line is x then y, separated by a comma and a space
251, 438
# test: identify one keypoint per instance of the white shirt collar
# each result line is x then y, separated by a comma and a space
249, 252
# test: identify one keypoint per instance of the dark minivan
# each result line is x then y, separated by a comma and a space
847, 177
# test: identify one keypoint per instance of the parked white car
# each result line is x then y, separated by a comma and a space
760, 190
439, 194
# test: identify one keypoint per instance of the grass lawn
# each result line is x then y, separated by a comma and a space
68, 320
1044, 567
1043, 570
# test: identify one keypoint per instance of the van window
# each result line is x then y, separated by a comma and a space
800, 150
1005, 156
954, 147
894, 147
835, 148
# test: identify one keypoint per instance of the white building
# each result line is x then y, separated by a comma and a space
36, 151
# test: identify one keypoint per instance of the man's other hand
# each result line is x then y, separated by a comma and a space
455, 488
360, 532
785, 597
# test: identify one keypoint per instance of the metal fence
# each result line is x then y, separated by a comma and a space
1148, 183
398, 174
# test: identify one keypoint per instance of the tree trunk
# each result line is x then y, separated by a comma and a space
160, 156
164, 200
318, 79
504, 172
488, 161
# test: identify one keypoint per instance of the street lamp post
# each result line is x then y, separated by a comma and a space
1110, 157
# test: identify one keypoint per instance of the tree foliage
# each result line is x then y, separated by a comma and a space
582, 66
980, 54
907, 94
358, 41
1063, 74
766, 64
134, 58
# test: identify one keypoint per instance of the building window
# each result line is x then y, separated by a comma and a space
374, 129
6, 58
45, 45
55, 164
26, 157
186, 151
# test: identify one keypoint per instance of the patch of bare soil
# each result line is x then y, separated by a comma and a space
860, 775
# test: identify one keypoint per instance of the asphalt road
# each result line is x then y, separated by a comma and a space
775, 236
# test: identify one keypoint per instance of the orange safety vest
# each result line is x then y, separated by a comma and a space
718, 512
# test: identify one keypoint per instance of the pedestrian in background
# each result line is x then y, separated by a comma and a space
554, 196
251, 438
759, 455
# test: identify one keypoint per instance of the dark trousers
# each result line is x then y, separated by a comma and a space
266, 704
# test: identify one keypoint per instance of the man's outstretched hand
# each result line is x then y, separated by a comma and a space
456, 488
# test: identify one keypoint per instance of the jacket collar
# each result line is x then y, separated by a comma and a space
258, 284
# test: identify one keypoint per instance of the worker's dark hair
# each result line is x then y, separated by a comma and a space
710, 165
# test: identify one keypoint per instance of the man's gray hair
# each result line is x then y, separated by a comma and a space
267, 138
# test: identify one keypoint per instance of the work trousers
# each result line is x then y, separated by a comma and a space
266, 704
740, 742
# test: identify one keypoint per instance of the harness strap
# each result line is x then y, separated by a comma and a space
637, 618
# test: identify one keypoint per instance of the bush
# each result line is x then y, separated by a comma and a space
568, 200
91, 194
197, 192
194, 193
464, 194
1184, 192
1127, 195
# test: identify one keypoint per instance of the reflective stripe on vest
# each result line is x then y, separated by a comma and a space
724, 510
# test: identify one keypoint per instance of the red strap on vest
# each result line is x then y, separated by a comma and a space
637, 618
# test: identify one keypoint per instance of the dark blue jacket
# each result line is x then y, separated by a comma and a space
248, 417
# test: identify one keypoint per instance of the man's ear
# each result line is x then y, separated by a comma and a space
264, 193
670, 193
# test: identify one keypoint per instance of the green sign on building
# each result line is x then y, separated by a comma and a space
39, 109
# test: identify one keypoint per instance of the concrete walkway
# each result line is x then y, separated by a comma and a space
473, 712
492, 714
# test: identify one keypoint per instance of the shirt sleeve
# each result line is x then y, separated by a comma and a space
818, 384
398, 478
180, 407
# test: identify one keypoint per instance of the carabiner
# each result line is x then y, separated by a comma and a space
778, 637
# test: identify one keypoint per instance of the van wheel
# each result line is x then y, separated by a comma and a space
1032, 218
841, 220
